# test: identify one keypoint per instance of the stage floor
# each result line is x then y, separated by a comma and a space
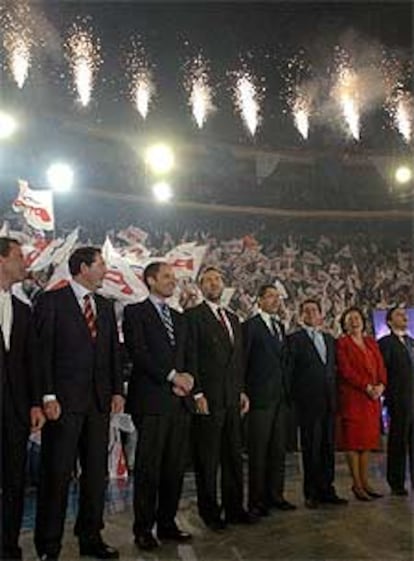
380, 530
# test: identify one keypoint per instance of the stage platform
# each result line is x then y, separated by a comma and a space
381, 530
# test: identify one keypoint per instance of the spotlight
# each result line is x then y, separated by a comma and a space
60, 177
8, 125
160, 158
162, 191
403, 175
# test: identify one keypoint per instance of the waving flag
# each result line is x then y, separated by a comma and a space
36, 207
186, 259
120, 281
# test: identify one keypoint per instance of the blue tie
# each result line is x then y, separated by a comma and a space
319, 343
168, 323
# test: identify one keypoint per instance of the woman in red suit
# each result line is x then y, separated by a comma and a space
362, 378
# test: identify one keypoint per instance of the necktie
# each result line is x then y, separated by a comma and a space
319, 343
168, 323
89, 315
222, 318
276, 328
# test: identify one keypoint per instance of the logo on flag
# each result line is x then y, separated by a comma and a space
36, 207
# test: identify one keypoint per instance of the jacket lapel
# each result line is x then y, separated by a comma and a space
157, 319
75, 309
272, 339
311, 345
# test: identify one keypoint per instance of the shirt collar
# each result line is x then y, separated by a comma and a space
311, 330
213, 306
399, 333
79, 290
265, 316
157, 301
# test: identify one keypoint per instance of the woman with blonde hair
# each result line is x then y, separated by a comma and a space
361, 382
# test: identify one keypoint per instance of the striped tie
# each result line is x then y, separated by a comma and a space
168, 324
89, 315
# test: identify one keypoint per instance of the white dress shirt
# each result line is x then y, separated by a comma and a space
80, 292
6, 316
400, 334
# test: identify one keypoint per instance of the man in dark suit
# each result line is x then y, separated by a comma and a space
215, 357
82, 384
313, 376
21, 404
398, 351
155, 337
267, 386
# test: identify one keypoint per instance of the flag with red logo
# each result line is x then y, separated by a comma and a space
132, 235
186, 259
36, 207
121, 282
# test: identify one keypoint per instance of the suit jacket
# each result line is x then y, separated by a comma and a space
354, 376
400, 369
153, 357
313, 382
215, 362
20, 370
266, 364
74, 366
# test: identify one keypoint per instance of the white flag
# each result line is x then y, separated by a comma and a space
36, 206
186, 259
120, 281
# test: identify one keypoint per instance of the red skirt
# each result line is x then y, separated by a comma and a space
358, 434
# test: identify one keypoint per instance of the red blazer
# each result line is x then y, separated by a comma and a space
354, 374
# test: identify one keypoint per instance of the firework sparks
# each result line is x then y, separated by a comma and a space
347, 95
84, 58
140, 75
143, 91
403, 117
200, 92
301, 112
400, 107
299, 91
247, 101
399, 104
18, 42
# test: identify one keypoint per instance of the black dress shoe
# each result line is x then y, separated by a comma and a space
12, 553
174, 534
215, 524
242, 517
399, 492
259, 511
48, 557
282, 504
333, 500
312, 504
146, 541
98, 550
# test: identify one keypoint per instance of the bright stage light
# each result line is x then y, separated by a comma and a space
8, 125
60, 177
403, 175
160, 158
162, 191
